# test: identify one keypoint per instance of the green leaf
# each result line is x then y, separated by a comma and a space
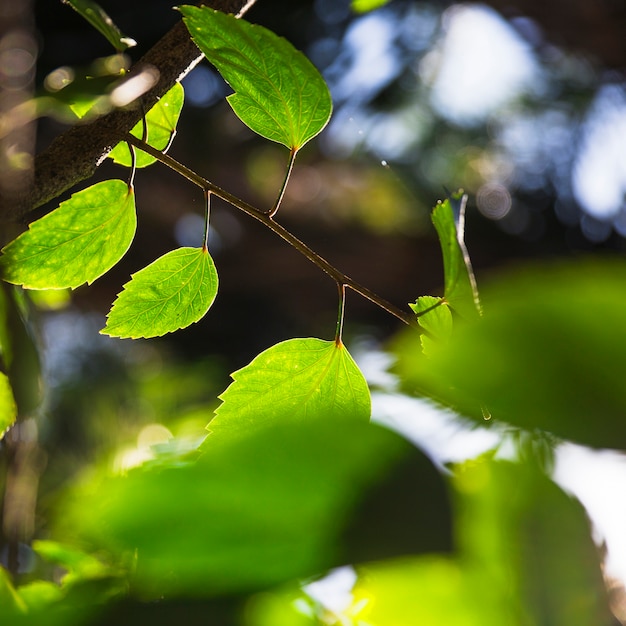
436, 320
363, 6
161, 119
98, 18
549, 354
526, 556
171, 293
298, 379
279, 94
460, 290
8, 407
75, 244
253, 511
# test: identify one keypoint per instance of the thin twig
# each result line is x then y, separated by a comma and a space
262, 216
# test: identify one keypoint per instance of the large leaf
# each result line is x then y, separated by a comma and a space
161, 120
255, 511
75, 244
99, 19
526, 557
550, 354
298, 379
171, 293
278, 92
460, 290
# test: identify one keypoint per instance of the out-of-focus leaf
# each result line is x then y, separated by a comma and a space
76, 243
171, 293
298, 379
99, 19
251, 512
459, 290
363, 6
526, 557
550, 353
279, 93
8, 407
40, 594
161, 120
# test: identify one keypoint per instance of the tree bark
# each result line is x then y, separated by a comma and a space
75, 155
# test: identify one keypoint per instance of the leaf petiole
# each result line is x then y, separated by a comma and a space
292, 159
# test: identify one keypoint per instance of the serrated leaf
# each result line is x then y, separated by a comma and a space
363, 6
279, 93
460, 291
98, 18
8, 407
76, 243
436, 319
171, 293
298, 379
161, 120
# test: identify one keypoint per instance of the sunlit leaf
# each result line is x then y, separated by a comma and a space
40, 594
171, 293
363, 6
161, 120
253, 511
460, 291
436, 320
298, 379
549, 354
8, 407
75, 244
279, 94
99, 19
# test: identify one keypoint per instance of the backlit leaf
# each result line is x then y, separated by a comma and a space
363, 6
99, 19
279, 93
549, 354
460, 291
253, 511
75, 244
8, 408
436, 320
298, 379
171, 293
161, 119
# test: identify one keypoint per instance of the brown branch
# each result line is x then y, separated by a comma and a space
75, 155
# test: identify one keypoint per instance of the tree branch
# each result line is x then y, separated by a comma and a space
75, 155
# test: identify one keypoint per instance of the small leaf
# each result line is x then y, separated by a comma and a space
99, 19
363, 6
298, 379
171, 293
437, 321
279, 93
8, 407
460, 290
75, 244
161, 119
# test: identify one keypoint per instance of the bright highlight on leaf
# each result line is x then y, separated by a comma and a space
460, 290
161, 120
75, 244
298, 379
171, 293
99, 19
279, 93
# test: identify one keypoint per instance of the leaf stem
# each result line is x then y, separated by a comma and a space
340, 314
207, 217
264, 217
292, 159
